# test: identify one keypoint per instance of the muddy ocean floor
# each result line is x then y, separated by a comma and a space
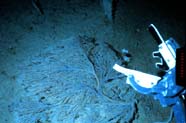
56, 67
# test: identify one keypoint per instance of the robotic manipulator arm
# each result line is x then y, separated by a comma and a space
165, 89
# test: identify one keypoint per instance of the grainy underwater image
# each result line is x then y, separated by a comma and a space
57, 57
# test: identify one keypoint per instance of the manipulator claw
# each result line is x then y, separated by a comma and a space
166, 50
167, 54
